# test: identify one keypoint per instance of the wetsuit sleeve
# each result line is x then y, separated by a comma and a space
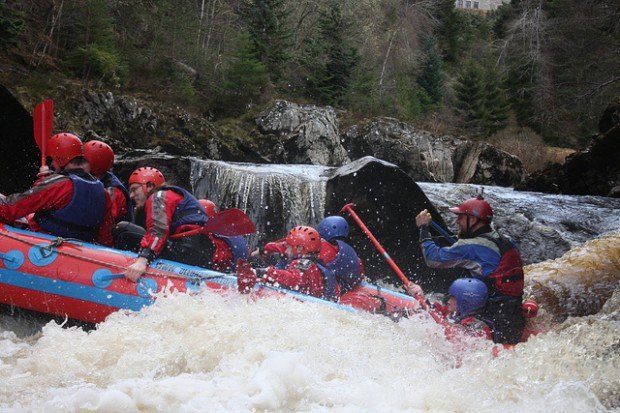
307, 279
104, 236
459, 255
119, 203
160, 207
52, 193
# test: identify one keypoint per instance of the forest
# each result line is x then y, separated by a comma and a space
531, 70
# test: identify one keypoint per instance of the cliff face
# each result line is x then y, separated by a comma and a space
594, 171
284, 132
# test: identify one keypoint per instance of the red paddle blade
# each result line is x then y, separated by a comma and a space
230, 223
43, 118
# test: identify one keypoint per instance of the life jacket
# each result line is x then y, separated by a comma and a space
188, 212
346, 267
83, 216
507, 279
239, 248
111, 181
480, 323
329, 280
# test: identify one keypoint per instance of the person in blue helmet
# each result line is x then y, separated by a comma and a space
465, 305
487, 256
345, 268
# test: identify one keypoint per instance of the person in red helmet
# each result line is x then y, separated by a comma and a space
169, 210
228, 250
487, 256
69, 203
100, 157
304, 272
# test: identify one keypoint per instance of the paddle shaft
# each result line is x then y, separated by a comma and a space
349, 209
443, 232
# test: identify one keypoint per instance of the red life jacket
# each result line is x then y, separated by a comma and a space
507, 279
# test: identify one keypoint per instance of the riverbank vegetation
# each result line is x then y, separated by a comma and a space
532, 70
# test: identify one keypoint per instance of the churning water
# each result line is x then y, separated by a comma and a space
216, 353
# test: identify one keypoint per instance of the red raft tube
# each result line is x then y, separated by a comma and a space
83, 281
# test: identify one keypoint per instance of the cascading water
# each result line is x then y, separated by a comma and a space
275, 197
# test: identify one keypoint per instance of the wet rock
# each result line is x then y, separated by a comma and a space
595, 171
309, 134
427, 158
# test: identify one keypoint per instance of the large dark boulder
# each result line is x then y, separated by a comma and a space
387, 201
20, 155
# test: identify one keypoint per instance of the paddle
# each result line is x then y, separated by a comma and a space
43, 119
443, 232
231, 222
409, 285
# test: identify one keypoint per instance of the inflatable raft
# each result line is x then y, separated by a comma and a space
84, 282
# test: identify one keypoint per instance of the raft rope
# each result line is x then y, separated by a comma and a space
59, 241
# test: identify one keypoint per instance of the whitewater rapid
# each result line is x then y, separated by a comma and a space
213, 353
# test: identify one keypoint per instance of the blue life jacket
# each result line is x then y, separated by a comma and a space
239, 247
346, 267
329, 281
189, 210
111, 180
83, 216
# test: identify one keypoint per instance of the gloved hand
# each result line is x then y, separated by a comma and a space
246, 277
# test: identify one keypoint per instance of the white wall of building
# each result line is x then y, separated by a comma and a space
479, 4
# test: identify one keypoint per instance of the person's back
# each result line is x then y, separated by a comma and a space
69, 203
338, 257
100, 157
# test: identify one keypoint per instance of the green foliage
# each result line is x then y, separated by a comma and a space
90, 41
266, 21
412, 101
245, 78
432, 77
481, 100
330, 58
11, 25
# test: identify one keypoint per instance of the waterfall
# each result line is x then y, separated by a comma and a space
275, 197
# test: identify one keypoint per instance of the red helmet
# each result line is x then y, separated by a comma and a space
145, 175
475, 207
209, 207
306, 237
100, 157
64, 147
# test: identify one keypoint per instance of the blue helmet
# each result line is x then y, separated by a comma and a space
470, 294
332, 227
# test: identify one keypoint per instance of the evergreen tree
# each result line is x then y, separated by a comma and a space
11, 24
266, 22
497, 106
334, 59
89, 39
481, 100
246, 75
470, 91
432, 77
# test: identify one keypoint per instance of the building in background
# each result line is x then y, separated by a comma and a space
482, 5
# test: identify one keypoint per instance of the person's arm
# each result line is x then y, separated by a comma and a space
52, 193
300, 275
104, 236
119, 203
